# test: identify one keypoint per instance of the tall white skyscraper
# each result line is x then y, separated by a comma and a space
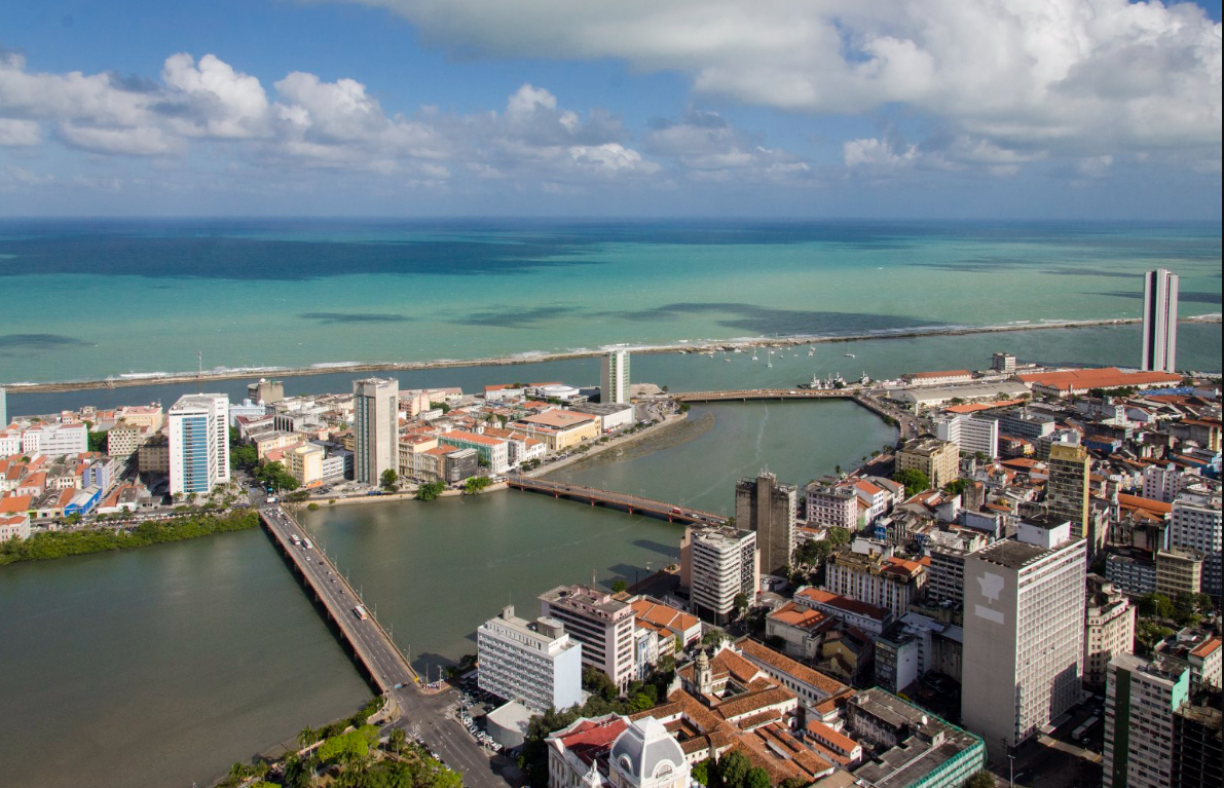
1024, 633
614, 384
725, 564
199, 443
1160, 321
375, 428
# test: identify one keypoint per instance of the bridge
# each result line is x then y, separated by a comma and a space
752, 395
372, 647
632, 503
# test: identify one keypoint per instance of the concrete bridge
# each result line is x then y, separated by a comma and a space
632, 503
752, 395
372, 647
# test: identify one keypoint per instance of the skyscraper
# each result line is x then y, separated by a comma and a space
1067, 493
1024, 633
375, 429
198, 427
3, 408
1160, 321
1141, 699
724, 565
764, 506
614, 383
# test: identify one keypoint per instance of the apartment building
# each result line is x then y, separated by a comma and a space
375, 429
890, 583
1141, 699
971, 436
535, 663
603, 625
1109, 629
939, 460
768, 508
1196, 525
198, 428
725, 564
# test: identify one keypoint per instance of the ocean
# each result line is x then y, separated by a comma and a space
92, 299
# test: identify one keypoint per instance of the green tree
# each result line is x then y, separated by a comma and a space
915, 481
97, 441
477, 484
1156, 606
398, 740
839, 536
596, 681
757, 778
705, 772
430, 491
619, 586
274, 475
389, 480
733, 769
957, 487
980, 779
794, 782
741, 604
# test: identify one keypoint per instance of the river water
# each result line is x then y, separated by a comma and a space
159, 667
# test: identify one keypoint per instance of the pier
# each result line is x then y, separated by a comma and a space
370, 644
633, 504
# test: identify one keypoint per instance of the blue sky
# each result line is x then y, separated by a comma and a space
797, 108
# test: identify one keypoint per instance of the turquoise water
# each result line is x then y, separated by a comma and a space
150, 295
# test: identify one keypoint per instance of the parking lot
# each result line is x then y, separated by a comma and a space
470, 709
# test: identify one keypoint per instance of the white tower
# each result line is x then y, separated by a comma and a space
1160, 321
614, 384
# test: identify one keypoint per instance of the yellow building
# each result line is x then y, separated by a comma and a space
1178, 572
1067, 492
939, 460
561, 429
304, 462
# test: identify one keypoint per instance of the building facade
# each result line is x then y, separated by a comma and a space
375, 429
939, 460
602, 624
1141, 699
1196, 525
1160, 321
725, 564
535, 663
972, 436
1024, 632
198, 428
1109, 629
768, 508
1067, 492
614, 380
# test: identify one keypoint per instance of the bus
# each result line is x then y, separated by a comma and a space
360, 612
1081, 732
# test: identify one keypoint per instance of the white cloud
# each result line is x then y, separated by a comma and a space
135, 141
710, 148
1081, 78
19, 132
225, 103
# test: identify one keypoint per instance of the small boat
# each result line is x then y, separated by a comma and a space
851, 355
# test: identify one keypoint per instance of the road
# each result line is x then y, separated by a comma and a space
420, 714
633, 503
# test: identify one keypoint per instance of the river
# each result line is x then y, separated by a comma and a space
160, 667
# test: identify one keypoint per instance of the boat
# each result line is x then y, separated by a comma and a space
851, 355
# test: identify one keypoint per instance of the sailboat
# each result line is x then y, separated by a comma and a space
770, 364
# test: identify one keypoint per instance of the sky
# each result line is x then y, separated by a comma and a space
974, 109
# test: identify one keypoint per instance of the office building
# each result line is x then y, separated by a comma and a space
1198, 757
939, 460
1067, 493
946, 575
55, 440
266, 392
1141, 700
1165, 483
833, 506
725, 564
375, 429
602, 624
768, 508
972, 436
1024, 633
1109, 629
1196, 525
890, 583
1159, 321
1178, 572
614, 382
198, 427
535, 663
1003, 363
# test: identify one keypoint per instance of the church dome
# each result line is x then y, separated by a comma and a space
647, 754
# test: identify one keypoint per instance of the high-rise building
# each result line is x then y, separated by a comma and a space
1024, 633
266, 392
601, 623
1109, 629
198, 427
533, 662
614, 383
768, 508
972, 436
1141, 700
1196, 525
1004, 363
375, 429
725, 564
1159, 321
1198, 756
1178, 571
3, 408
1067, 492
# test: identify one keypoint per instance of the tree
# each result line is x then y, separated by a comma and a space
705, 773
389, 480
274, 475
619, 586
915, 481
1156, 606
596, 681
430, 491
839, 536
477, 484
757, 778
734, 768
741, 604
981, 779
97, 442
398, 740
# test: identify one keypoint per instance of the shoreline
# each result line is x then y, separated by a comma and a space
156, 379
